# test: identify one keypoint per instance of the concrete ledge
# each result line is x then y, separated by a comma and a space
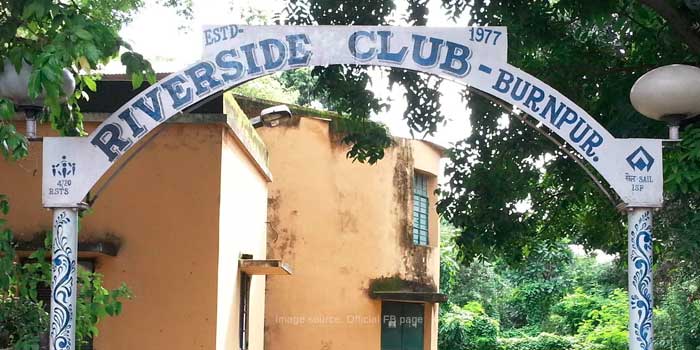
106, 248
182, 118
410, 296
264, 267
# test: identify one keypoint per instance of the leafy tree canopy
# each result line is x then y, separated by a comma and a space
79, 35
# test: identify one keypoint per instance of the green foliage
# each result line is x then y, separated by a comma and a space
305, 84
367, 139
343, 88
269, 87
603, 47
574, 300
79, 35
22, 315
607, 326
467, 328
572, 310
539, 283
475, 281
13, 145
597, 278
543, 341
677, 318
21, 322
95, 302
680, 170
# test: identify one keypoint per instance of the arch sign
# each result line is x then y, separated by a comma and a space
233, 54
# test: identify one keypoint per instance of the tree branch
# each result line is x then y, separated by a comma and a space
676, 20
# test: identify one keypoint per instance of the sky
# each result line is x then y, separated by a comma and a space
155, 34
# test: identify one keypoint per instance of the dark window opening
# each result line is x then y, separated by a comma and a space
243, 324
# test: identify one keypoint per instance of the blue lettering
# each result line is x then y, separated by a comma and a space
536, 96
271, 62
108, 141
136, 128
248, 51
215, 35
298, 54
573, 134
459, 54
549, 109
384, 52
154, 110
435, 46
224, 63
201, 76
517, 96
593, 141
503, 83
207, 37
180, 96
355, 38
569, 117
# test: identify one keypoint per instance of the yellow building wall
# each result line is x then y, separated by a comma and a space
182, 212
339, 225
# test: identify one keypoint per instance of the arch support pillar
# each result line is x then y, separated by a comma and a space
640, 279
64, 278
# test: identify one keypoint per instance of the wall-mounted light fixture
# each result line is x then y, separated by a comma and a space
272, 116
14, 86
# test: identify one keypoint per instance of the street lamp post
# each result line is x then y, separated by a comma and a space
64, 250
670, 94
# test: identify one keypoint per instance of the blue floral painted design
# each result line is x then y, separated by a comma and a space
641, 297
64, 268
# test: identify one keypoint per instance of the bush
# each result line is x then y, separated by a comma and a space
568, 314
22, 320
522, 332
677, 320
607, 326
544, 341
467, 328
22, 316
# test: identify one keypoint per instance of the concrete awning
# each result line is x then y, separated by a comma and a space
86, 249
426, 297
264, 267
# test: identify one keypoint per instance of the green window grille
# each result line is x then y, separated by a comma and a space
420, 210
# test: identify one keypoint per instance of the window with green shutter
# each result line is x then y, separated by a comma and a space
420, 209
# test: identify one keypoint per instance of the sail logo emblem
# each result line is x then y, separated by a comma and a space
640, 159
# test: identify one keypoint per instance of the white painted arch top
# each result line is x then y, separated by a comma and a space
234, 54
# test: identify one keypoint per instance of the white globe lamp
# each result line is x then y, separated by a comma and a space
670, 94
